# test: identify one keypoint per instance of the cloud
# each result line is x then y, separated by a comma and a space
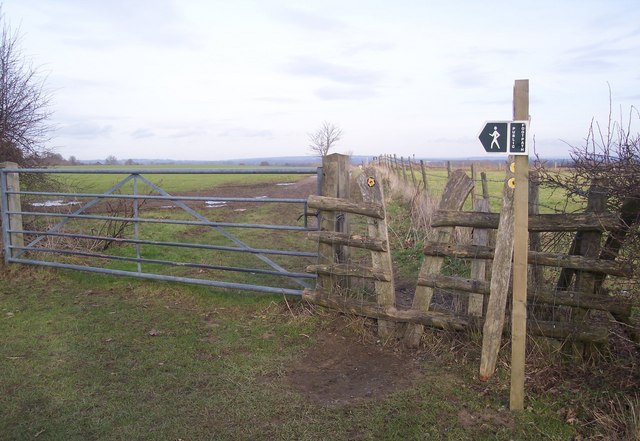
370, 46
488, 102
243, 132
142, 133
345, 93
468, 76
309, 20
584, 65
189, 133
71, 83
84, 130
99, 24
276, 100
308, 67
606, 54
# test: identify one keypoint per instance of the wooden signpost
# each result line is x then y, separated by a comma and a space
520, 254
510, 137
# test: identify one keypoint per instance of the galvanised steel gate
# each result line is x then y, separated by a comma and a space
137, 228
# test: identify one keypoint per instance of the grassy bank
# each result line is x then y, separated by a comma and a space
90, 357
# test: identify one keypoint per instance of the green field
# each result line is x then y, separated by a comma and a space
550, 201
98, 183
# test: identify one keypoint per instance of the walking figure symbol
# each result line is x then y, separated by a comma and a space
495, 134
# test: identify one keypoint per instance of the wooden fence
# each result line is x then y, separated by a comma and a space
579, 287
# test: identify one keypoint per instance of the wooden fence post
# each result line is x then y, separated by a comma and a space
474, 178
404, 170
520, 256
514, 222
535, 271
11, 202
372, 192
413, 177
424, 178
335, 183
485, 186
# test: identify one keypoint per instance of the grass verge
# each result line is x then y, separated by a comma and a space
91, 357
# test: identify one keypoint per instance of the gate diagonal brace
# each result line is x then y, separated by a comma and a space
220, 230
80, 210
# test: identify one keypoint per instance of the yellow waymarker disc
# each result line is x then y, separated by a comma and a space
371, 181
512, 167
512, 183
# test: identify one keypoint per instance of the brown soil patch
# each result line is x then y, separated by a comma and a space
339, 369
486, 419
301, 188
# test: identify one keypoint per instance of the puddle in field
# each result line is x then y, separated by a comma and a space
215, 204
55, 203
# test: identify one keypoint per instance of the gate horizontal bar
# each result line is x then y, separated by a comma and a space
170, 244
170, 171
158, 197
166, 262
163, 221
218, 284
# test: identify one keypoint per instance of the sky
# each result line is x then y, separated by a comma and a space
219, 80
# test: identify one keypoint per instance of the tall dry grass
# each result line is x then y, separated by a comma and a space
422, 206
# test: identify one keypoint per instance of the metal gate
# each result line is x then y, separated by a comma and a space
137, 228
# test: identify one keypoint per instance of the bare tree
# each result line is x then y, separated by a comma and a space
610, 156
24, 103
609, 163
323, 139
